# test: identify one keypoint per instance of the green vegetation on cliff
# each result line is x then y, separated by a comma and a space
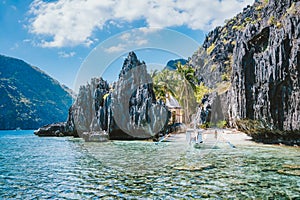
29, 97
252, 62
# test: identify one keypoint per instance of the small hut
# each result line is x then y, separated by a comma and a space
175, 109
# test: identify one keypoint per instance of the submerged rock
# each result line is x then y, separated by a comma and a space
289, 172
95, 136
194, 167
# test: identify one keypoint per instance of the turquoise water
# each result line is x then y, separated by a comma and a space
68, 168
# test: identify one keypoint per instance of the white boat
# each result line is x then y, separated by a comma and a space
206, 139
194, 136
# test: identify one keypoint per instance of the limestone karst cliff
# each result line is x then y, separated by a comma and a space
127, 110
253, 63
135, 112
266, 69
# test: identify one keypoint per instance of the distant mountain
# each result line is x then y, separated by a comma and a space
29, 98
171, 65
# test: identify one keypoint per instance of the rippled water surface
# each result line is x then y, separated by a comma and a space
67, 168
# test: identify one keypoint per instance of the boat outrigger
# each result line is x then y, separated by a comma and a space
201, 137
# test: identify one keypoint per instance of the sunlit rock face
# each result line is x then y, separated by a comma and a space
257, 55
88, 107
135, 113
127, 111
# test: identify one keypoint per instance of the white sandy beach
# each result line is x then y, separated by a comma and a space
235, 137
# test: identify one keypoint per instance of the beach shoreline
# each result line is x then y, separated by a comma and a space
234, 136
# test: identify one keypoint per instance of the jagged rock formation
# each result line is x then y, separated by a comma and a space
84, 115
59, 129
266, 71
253, 62
143, 118
29, 98
126, 111
88, 106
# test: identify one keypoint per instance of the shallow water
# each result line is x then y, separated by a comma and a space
68, 168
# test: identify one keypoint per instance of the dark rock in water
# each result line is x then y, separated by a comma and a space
29, 98
60, 129
124, 111
128, 111
253, 63
56, 130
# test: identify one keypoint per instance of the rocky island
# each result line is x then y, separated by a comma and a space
98, 107
250, 66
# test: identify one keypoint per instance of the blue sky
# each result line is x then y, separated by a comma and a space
61, 36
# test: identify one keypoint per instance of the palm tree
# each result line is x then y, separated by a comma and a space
163, 84
180, 84
188, 88
188, 73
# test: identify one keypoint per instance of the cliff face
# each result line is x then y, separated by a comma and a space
135, 112
266, 69
29, 98
83, 114
253, 62
88, 106
126, 111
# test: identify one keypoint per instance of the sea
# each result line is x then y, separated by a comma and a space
33, 167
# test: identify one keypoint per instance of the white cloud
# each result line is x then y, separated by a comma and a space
146, 30
125, 36
127, 40
71, 23
26, 40
115, 49
64, 54
141, 42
